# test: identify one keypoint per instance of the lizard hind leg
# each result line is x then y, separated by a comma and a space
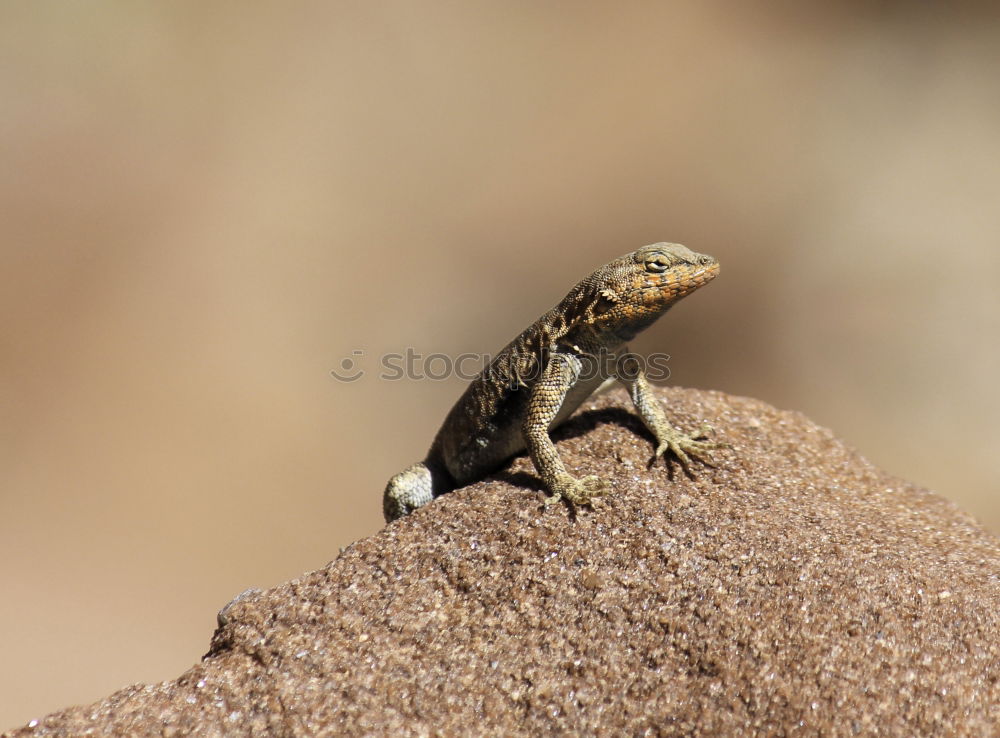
413, 487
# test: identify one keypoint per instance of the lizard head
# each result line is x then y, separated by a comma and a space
626, 295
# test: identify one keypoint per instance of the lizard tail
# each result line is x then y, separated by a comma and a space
411, 488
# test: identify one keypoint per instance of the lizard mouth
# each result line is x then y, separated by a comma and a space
705, 274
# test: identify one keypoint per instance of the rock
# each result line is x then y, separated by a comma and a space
793, 587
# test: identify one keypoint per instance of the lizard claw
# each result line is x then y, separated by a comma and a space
578, 491
684, 446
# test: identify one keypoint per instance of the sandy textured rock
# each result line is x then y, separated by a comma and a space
792, 588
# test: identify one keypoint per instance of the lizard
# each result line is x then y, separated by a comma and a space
546, 372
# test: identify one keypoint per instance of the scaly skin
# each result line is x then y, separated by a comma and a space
545, 373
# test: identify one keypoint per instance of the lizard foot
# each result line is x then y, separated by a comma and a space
684, 446
577, 491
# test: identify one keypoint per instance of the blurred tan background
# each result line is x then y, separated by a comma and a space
205, 207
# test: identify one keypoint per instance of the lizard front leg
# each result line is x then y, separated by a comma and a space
546, 398
668, 438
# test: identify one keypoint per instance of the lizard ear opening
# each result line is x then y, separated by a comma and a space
605, 301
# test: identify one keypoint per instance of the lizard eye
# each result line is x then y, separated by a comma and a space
657, 263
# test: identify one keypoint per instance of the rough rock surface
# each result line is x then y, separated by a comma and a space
792, 588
